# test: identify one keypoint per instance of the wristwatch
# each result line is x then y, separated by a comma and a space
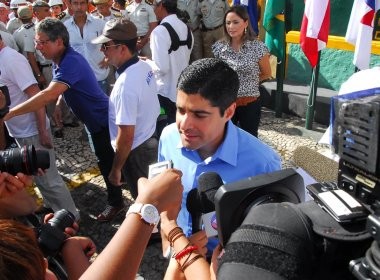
148, 212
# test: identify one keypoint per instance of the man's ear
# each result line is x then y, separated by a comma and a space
230, 111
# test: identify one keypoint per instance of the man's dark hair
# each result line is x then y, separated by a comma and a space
121, 2
170, 6
131, 44
213, 79
54, 29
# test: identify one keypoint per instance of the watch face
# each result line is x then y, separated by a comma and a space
150, 214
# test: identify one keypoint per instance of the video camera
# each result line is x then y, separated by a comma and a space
266, 239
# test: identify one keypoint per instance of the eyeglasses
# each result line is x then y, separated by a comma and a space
41, 42
106, 47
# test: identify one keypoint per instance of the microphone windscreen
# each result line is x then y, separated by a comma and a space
192, 202
208, 184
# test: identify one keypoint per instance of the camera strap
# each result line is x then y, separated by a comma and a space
324, 225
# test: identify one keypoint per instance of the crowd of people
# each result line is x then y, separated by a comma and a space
116, 70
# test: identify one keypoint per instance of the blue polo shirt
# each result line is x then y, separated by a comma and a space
239, 156
84, 96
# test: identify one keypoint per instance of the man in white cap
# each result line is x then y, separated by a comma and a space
15, 23
4, 12
104, 10
56, 7
132, 128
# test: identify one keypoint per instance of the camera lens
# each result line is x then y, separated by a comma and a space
62, 219
26, 160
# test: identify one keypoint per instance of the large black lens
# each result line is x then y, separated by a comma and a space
62, 219
26, 160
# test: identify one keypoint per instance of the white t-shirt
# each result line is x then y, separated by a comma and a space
134, 101
17, 75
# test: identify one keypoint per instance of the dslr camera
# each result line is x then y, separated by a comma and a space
50, 236
26, 160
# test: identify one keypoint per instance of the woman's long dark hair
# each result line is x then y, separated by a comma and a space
240, 11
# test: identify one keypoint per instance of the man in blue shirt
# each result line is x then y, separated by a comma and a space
73, 77
204, 138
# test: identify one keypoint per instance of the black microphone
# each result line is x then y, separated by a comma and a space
201, 200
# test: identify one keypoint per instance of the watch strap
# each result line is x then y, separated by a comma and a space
137, 208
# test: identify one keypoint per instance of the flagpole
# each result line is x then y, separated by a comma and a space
280, 73
312, 96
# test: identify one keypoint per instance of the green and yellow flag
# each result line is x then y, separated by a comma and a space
274, 24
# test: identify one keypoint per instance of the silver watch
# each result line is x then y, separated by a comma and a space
148, 212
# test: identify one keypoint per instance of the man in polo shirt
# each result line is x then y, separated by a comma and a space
133, 106
72, 77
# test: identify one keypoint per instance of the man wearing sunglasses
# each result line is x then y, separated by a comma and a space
133, 107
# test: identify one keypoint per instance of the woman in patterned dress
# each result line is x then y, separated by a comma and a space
249, 57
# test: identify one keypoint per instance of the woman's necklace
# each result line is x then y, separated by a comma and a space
236, 45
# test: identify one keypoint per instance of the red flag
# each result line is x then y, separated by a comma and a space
359, 30
315, 28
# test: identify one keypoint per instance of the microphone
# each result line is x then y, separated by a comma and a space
201, 200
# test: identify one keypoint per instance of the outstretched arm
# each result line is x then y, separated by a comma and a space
128, 245
38, 100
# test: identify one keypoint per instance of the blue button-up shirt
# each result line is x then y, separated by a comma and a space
239, 156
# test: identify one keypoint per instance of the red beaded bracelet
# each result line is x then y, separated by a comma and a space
184, 252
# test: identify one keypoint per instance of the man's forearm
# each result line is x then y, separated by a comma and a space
37, 100
124, 142
41, 119
121, 155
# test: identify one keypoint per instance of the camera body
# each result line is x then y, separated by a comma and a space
357, 140
51, 235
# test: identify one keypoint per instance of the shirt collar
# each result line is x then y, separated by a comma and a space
133, 60
88, 18
227, 150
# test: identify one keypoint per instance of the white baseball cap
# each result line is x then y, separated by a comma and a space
17, 3
55, 2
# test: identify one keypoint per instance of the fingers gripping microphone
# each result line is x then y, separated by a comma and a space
201, 200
